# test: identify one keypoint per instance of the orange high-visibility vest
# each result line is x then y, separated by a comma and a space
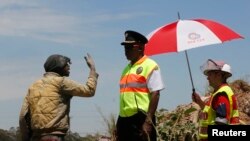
208, 114
134, 93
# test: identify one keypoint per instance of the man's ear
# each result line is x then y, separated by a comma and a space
141, 48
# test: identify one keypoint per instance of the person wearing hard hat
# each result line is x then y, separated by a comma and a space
140, 86
221, 108
44, 115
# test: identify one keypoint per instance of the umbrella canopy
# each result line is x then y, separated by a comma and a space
187, 34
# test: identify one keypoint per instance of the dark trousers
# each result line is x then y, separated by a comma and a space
130, 128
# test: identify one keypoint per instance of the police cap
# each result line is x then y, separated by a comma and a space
132, 37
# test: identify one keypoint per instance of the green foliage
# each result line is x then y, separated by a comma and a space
189, 110
13, 134
171, 127
5, 136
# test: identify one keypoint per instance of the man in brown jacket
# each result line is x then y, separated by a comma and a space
45, 111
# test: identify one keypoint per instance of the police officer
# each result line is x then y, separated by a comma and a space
45, 111
140, 86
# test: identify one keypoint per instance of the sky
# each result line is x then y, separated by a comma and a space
31, 30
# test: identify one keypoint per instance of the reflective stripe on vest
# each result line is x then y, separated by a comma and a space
133, 82
211, 114
134, 93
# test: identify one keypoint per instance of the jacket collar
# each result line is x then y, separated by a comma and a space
51, 74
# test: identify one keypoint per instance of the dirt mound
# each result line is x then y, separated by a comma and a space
242, 92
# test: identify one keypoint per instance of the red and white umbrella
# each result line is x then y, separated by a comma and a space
187, 34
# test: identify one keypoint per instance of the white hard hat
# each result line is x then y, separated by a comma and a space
216, 65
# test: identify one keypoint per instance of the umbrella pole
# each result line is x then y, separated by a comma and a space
189, 71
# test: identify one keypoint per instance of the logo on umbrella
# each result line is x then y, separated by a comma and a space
194, 38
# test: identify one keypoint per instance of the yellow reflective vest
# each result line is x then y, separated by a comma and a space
208, 114
134, 93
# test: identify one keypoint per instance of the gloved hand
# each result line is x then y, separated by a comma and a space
197, 99
90, 62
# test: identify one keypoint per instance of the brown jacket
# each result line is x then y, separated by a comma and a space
46, 107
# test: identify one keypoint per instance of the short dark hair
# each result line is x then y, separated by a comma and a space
56, 62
